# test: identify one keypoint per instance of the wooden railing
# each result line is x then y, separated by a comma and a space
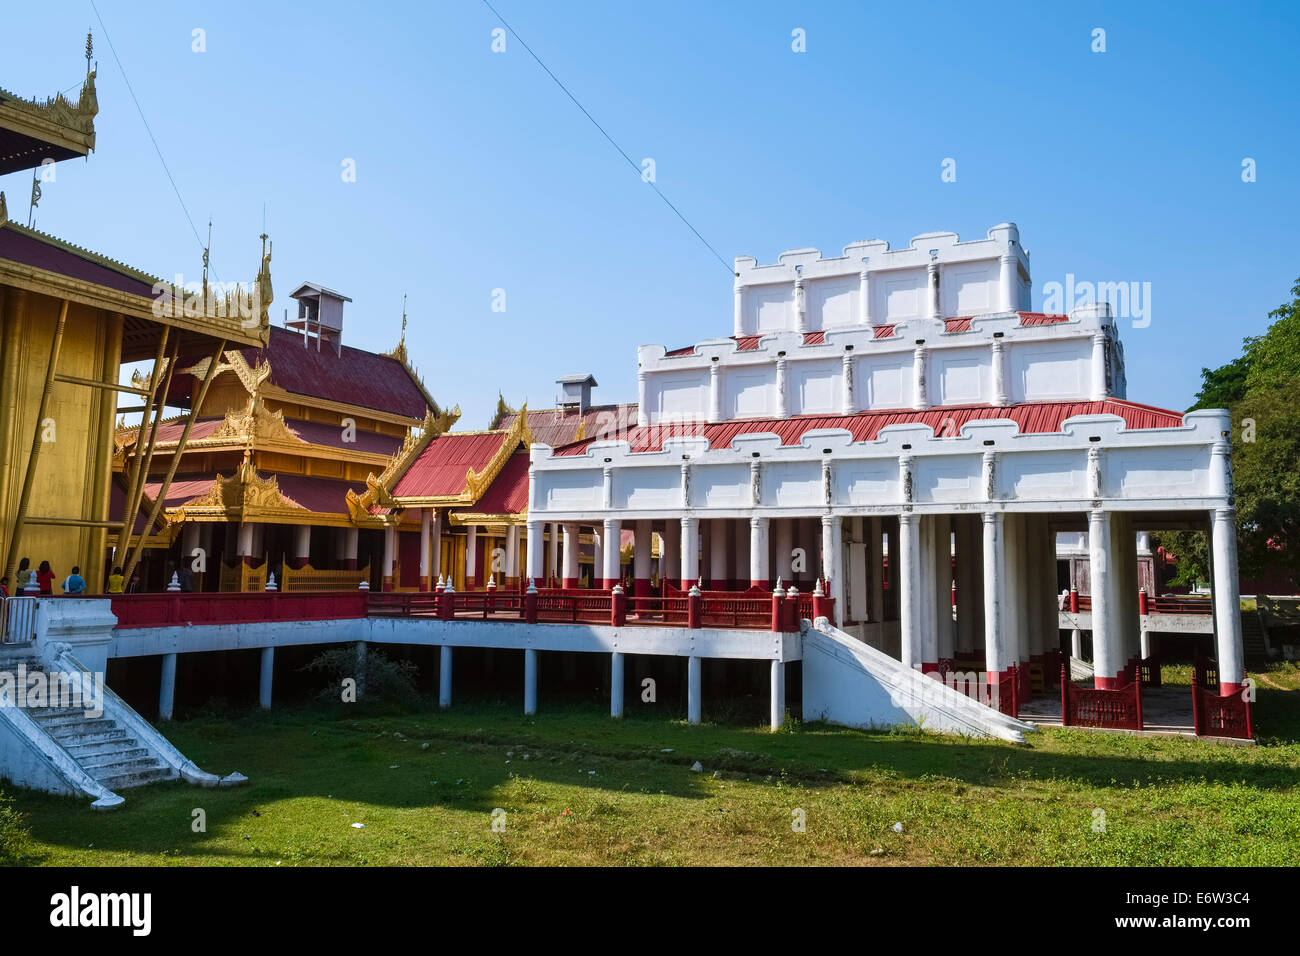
178, 608
1089, 707
1215, 714
308, 578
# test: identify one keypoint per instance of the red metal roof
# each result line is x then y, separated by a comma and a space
34, 248
355, 377
884, 332
555, 426
508, 493
441, 468
814, 338
1032, 417
322, 495
1041, 318
959, 324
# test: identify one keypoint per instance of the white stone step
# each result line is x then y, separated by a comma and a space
136, 778
93, 763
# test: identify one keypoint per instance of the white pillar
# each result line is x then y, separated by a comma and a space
738, 322
1106, 654
598, 557
534, 545
945, 629
999, 370
1008, 281
997, 653
190, 541
690, 552
864, 296
1227, 601
932, 275
784, 548
642, 405
778, 695
782, 404
719, 553
616, 684
264, 678
833, 565
920, 392
353, 553
758, 563
471, 559
390, 550
641, 557
530, 680
848, 402
512, 553
554, 561
909, 587
426, 539
715, 391
693, 707
444, 676
569, 575
243, 541
611, 567
670, 553
435, 546
1099, 376
167, 687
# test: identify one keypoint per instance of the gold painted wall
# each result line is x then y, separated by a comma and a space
72, 476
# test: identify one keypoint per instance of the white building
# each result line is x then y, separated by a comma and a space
904, 402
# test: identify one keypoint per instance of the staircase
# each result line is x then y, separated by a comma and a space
64, 749
103, 748
1252, 638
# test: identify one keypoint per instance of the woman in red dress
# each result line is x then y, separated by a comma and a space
45, 578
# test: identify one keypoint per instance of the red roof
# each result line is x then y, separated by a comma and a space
317, 433
555, 426
441, 468
1032, 417
1041, 318
322, 495
34, 248
355, 377
508, 493
959, 324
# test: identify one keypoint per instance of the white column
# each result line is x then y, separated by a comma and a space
782, 404
642, 405
444, 676
530, 680
758, 566
167, 688
243, 541
920, 395
1227, 601
616, 684
641, 557
610, 569
353, 545
435, 545
996, 650
715, 392
598, 557
426, 539
670, 553
864, 296
534, 545
554, 545
1008, 281
690, 552
833, 565
471, 558
190, 542
784, 547
800, 302
569, 574
876, 563
932, 275
719, 554
777, 695
999, 359
738, 323
945, 629
848, 403
694, 710
1099, 389
512, 553
265, 677
390, 550
1106, 654
909, 588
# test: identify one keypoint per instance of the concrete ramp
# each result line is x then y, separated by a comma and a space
851, 683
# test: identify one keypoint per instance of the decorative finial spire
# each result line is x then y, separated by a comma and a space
403, 318
90, 49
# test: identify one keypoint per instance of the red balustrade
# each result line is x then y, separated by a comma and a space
1215, 714
1089, 707
183, 608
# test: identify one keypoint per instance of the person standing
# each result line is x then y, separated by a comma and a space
26, 576
74, 583
115, 581
45, 578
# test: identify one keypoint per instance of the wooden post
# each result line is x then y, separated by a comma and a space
143, 453
29, 479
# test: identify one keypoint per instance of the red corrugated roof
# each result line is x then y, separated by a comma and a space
884, 332
322, 495
814, 338
356, 377
34, 248
508, 493
441, 468
1032, 417
1041, 318
959, 324
555, 427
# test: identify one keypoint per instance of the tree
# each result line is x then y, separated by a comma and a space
1259, 388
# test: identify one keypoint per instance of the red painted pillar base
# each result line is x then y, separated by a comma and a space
765, 585
642, 587
469, 584
349, 564
929, 668
388, 583
1229, 688
569, 584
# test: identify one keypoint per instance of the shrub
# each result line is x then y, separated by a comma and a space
381, 682
14, 837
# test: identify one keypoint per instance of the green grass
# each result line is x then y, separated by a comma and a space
315, 772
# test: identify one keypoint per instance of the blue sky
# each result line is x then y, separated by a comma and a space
475, 173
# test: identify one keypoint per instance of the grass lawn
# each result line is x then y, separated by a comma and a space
579, 788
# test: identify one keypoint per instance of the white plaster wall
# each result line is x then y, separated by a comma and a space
791, 483
720, 486
767, 308
866, 482
883, 381
750, 391
947, 478
961, 376
648, 488
678, 396
1132, 472
969, 288
832, 302
898, 295
815, 387
570, 490
1045, 475
1049, 371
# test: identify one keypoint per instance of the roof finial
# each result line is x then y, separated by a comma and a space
403, 318
207, 251
90, 49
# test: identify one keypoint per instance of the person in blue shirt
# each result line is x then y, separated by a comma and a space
74, 583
